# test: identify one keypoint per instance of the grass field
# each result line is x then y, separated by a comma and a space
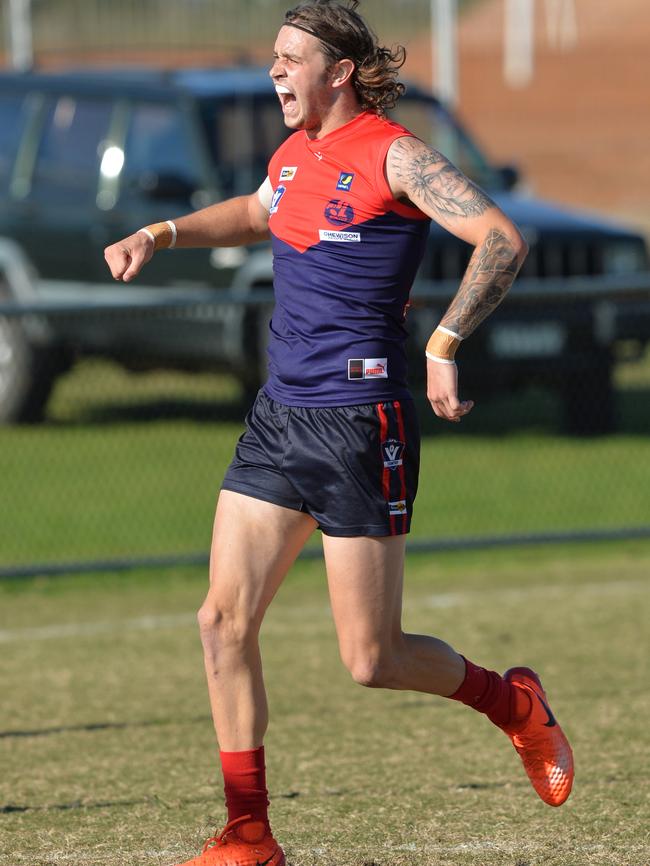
131, 465
107, 749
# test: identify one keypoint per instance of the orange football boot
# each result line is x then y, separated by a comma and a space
540, 743
242, 842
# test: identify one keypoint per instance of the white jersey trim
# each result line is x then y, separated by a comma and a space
265, 194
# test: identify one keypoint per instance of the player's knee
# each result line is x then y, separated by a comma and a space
223, 625
369, 669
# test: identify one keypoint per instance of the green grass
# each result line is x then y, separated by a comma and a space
108, 753
130, 465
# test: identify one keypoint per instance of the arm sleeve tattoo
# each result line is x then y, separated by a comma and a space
436, 185
431, 179
491, 270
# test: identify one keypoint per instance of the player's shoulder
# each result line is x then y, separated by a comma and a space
385, 127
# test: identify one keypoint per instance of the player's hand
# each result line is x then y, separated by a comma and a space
127, 257
442, 391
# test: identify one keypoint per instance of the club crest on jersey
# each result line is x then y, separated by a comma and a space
345, 181
397, 508
339, 213
288, 172
393, 451
277, 196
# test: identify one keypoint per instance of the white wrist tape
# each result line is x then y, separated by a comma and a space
439, 360
148, 234
172, 226
450, 333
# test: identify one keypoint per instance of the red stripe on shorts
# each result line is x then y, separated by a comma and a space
385, 480
402, 437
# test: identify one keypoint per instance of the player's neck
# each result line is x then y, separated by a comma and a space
341, 112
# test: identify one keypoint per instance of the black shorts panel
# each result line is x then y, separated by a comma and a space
354, 469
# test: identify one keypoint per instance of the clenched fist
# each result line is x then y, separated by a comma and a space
126, 258
442, 392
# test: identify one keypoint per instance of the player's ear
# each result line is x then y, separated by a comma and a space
342, 72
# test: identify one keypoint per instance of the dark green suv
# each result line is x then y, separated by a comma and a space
88, 157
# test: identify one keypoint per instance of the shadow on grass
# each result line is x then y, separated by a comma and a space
154, 800
102, 726
162, 410
96, 413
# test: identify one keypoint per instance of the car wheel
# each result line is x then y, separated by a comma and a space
27, 374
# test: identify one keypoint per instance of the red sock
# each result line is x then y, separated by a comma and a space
488, 693
244, 779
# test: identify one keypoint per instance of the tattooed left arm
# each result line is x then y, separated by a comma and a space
423, 177
490, 273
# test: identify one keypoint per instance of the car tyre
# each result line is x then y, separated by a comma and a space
27, 374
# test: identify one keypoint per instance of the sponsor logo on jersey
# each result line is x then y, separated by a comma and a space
277, 196
288, 172
368, 368
398, 507
345, 181
393, 451
339, 213
376, 368
339, 237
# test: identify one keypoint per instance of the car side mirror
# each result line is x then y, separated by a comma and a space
509, 176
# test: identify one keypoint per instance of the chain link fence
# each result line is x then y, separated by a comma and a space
65, 31
126, 465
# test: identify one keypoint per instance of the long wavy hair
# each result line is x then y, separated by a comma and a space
344, 34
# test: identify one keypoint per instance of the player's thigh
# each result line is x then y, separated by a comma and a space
365, 578
254, 543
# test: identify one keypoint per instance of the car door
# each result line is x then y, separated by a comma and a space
162, 177
55, 203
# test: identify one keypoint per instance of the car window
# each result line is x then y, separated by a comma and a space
69, 153
435, 126
271, 129
159, 150
13, 116
243, 134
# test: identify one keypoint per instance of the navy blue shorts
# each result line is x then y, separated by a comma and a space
354, 469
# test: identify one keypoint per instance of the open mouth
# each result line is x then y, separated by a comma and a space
286, 97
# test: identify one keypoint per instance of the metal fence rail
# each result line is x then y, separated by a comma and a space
429, 545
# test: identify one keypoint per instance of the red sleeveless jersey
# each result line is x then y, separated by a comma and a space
345, 257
